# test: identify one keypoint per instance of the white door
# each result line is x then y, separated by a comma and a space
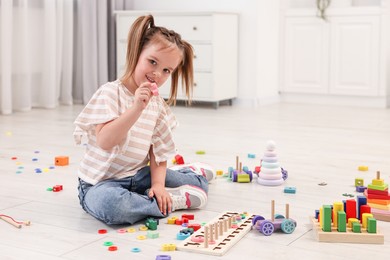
354, 65
306, 55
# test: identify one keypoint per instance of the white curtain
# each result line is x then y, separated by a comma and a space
55, 51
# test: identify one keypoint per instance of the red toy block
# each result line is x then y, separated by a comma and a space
179, 159
364, 209
61, 160
194, 226
188, 216
351, 209
178, 221
57, 188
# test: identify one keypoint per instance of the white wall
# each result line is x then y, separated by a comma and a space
258, 42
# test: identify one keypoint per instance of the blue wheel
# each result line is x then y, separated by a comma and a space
288, 226
284, 174
267, 228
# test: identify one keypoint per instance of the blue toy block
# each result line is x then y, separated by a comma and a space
163, 257
290, 190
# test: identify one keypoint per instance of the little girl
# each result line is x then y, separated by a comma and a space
123, 176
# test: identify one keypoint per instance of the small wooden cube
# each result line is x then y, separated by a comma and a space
61, 160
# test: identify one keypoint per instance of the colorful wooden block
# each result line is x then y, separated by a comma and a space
346, 237
378, 187
61, 160
359, 182
327, 218
356, 227
363, 168
290, 190
371, 225
337, 206
341, 221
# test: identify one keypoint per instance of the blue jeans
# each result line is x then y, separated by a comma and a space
125, 201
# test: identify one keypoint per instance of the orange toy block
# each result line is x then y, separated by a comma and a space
61, 160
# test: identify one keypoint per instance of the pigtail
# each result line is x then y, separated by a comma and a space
186, 71
135, 43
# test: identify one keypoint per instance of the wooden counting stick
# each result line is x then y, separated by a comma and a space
225, 225
378, 175
206, 236
273, 210
287, 211
215, 227
237, 163
10, 221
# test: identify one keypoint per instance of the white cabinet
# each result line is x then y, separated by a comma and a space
340, 60
214, 37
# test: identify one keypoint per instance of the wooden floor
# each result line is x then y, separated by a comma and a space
316, 144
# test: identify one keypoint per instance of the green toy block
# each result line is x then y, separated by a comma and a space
327, 218
378, 187
359, 182
356, 227
371, 225
341, 221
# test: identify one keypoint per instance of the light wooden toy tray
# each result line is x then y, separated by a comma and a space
346, 237
217, 244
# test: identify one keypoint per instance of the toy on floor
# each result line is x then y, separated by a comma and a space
378, 198
178, 159
277, 222
270, 173
346, 222
240, 174
219, 235
61, 160
13, 222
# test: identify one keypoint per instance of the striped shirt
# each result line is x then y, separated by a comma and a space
153, 128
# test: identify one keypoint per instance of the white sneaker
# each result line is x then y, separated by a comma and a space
187, 197
200, 168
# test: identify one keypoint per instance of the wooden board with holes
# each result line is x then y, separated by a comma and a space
346, 237
227, 238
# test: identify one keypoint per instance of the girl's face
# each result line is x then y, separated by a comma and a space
156, 64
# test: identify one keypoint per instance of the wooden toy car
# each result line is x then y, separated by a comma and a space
277, 223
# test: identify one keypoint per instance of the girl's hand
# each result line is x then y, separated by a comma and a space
163, 198
143, 94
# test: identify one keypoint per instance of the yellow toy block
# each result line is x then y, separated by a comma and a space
359, 182
168, 247
378, 182
351, 220
379, 206
172, 220
363, 168
337, 206
365, 216
219, 172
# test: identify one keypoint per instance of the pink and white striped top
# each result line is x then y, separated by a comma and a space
154, 127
